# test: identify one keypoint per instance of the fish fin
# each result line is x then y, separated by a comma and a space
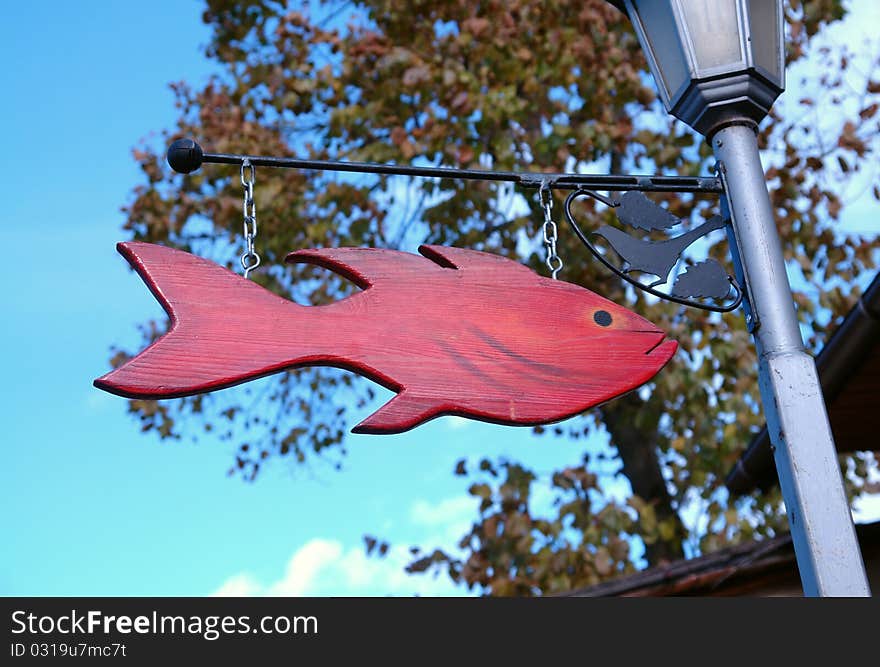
463, 258
194, 355
363, 266
401, 413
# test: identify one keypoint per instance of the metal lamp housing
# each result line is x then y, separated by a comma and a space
715, 61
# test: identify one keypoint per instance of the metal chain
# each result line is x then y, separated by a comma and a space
553, 261
249, 259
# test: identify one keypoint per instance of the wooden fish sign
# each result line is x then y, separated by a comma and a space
452, 331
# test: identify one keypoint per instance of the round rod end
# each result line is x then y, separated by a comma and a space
185, 156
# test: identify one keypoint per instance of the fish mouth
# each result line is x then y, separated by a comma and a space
664, 347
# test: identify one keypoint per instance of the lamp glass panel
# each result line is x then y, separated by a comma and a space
766, 34
714, 32
658, 23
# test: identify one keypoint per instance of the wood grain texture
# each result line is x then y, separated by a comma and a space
452, 331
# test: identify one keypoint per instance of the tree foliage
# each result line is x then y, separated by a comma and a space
549, 86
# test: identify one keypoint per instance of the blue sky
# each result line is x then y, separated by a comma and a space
91, 506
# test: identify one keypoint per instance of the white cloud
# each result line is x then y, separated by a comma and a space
305, 566
324, 568
238, 586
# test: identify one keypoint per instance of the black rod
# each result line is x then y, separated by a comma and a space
185, 156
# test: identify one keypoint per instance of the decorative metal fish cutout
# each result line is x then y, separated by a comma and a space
453, 332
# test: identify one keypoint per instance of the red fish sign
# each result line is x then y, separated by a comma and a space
453, 332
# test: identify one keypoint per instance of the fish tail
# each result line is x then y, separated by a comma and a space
220, 329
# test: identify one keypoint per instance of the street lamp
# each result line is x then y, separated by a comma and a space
719, 66
713, 60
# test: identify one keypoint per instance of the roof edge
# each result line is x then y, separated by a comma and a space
846, 349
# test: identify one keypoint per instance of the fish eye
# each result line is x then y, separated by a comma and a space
602, 318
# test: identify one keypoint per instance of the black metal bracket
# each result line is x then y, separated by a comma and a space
186, 156
703, 280
706, 279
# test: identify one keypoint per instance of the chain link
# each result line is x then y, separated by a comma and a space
553, 261
249, 259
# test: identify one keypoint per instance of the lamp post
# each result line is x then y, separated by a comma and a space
719, 66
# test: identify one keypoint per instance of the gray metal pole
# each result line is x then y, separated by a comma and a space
824, 537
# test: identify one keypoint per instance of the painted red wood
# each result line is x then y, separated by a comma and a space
452, 331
